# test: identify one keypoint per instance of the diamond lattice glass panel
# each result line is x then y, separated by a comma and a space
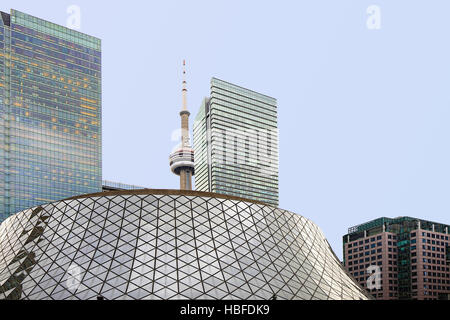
166, 245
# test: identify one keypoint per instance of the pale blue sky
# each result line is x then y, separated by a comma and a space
363, 114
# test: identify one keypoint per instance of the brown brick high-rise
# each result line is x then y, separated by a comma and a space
412, 256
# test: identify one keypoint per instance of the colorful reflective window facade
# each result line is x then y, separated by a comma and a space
236, 143
50, 104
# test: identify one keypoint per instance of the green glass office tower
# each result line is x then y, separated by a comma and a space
50, 105
236, 143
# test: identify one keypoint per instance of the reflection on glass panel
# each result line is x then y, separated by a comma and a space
244, 256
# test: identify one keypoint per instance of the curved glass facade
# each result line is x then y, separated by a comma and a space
50, 111
161, 244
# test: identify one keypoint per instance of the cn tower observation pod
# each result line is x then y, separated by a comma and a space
167, 244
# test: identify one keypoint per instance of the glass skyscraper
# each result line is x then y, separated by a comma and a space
236, 143
50, 113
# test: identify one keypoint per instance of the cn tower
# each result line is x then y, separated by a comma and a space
182, 160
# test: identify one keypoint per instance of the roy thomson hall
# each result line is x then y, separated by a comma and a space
63, 238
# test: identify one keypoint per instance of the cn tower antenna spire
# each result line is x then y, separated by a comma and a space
182, 160
184, 106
